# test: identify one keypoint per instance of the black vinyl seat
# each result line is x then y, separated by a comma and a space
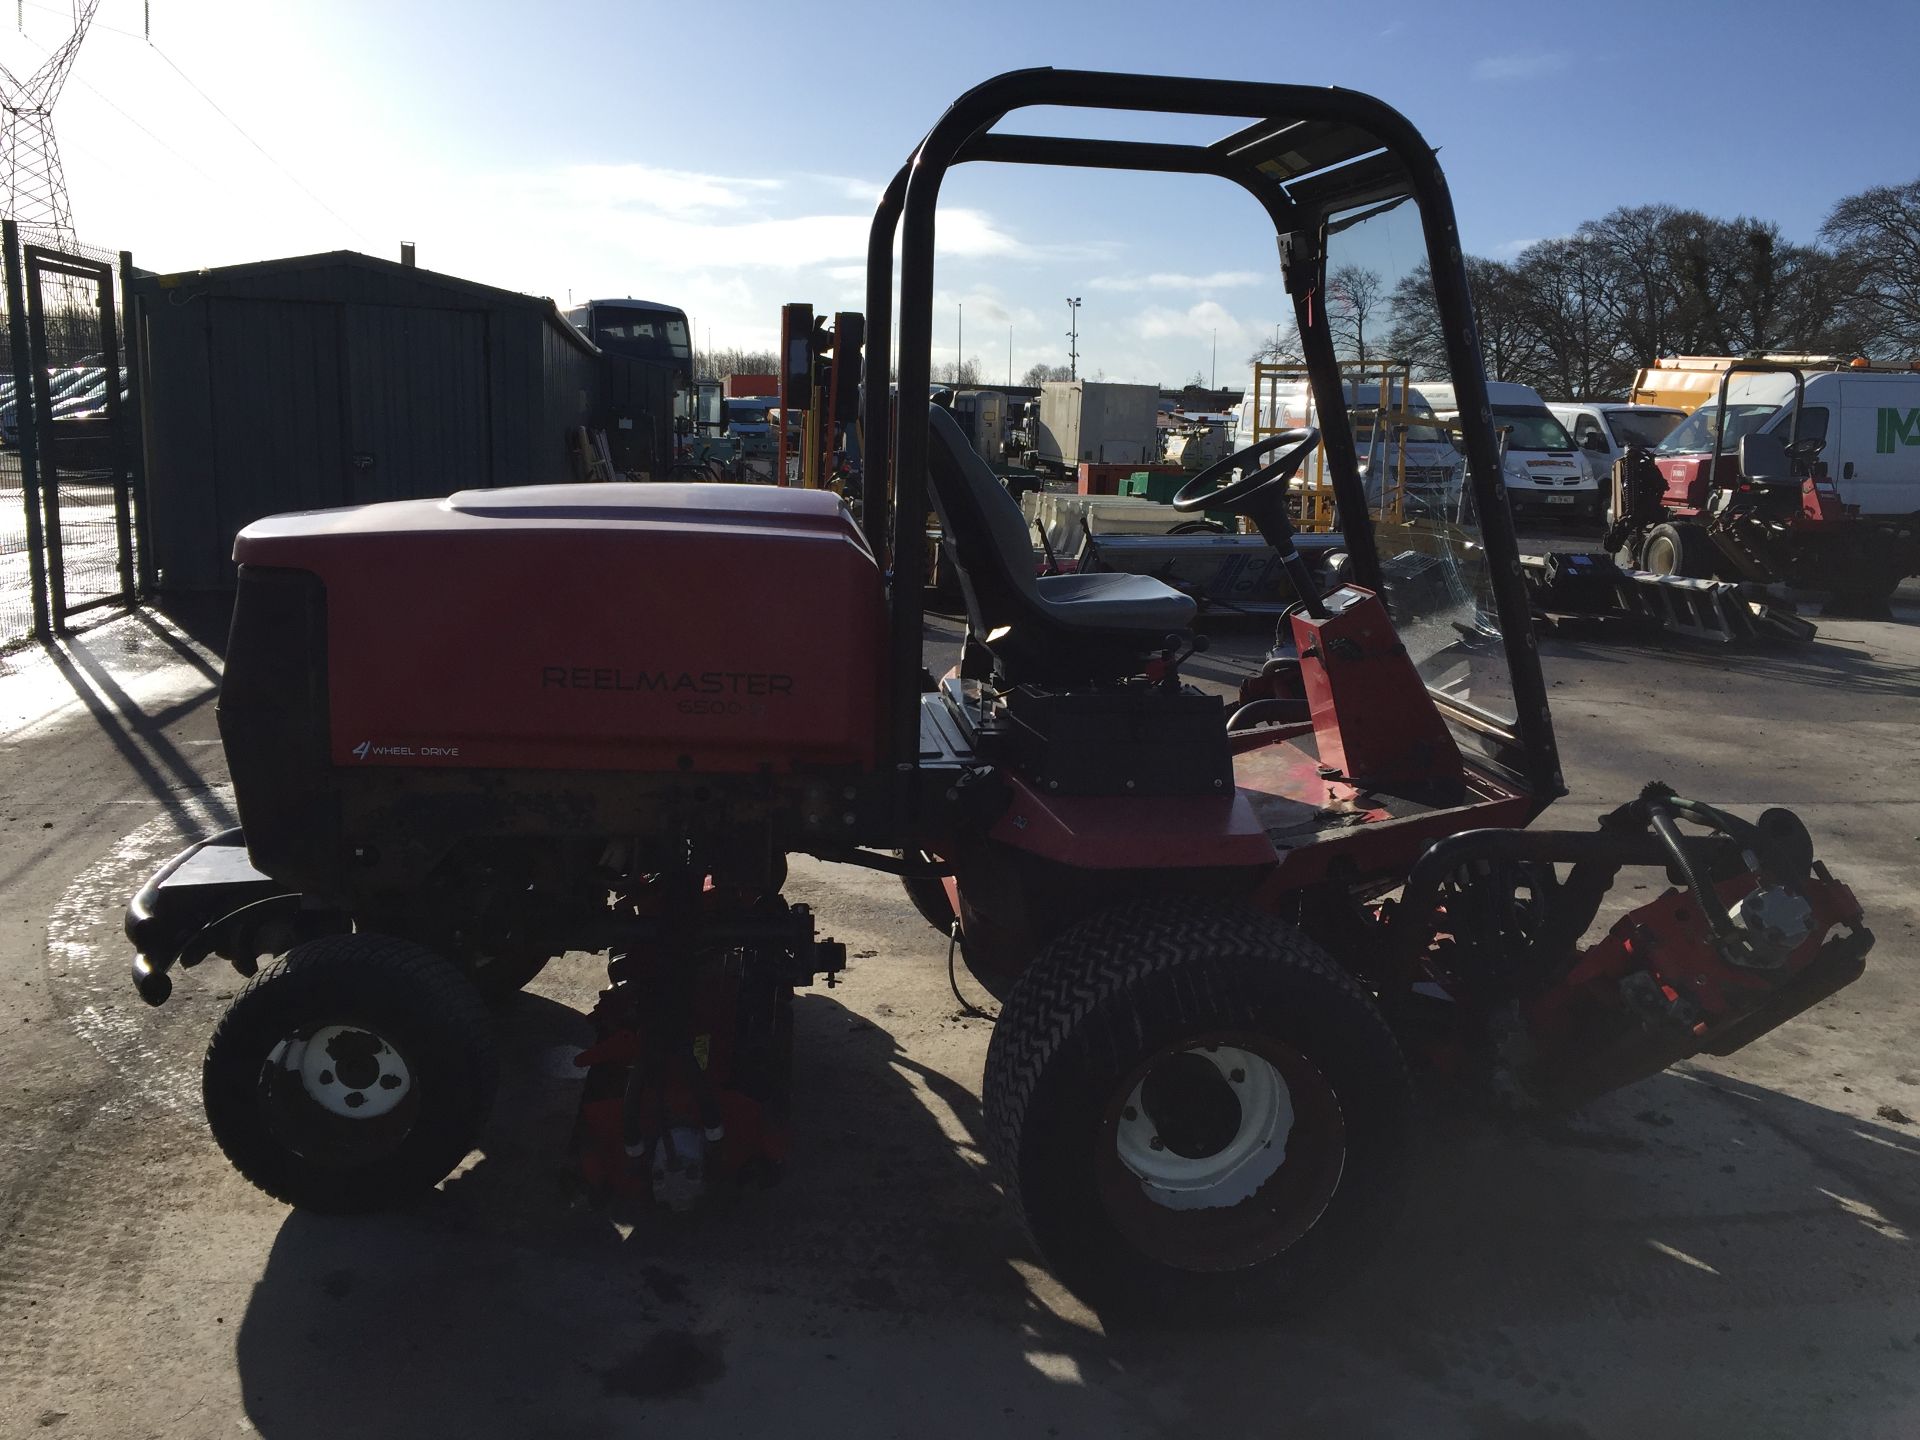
1038, 628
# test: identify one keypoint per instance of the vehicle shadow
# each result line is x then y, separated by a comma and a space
1692, 1244
1820, 663
832, 1302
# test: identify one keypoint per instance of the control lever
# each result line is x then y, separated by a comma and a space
1166, 669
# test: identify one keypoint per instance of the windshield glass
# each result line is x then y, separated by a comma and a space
1694, 436
1641, 427
1436, 579
1363, 418
1531, 428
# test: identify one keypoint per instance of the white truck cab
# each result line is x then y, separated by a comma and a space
1545, 473
1604, 429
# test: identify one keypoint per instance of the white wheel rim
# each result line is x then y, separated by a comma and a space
1230, 1174
347, 1070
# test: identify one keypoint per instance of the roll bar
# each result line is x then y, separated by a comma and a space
1308, 152
1754, 367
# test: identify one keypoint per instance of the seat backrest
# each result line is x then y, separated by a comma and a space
983, 527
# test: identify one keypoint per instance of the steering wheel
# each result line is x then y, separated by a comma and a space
1199, 494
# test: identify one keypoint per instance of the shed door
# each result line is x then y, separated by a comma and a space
417, 418
274, 385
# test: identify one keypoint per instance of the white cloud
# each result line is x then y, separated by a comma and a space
1175, 280
1198, 322
648, 187
849, 187
1520, 66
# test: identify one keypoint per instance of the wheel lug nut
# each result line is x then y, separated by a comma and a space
1237, 1076
1156, 1143
1129, 1113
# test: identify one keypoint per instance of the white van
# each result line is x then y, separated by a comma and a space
1869, 421
1603, 430
1431, 460
1544, 474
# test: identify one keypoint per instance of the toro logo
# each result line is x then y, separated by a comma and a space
1896, 428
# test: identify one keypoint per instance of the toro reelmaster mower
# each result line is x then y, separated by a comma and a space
467, 735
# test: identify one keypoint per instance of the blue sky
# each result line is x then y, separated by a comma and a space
725, 157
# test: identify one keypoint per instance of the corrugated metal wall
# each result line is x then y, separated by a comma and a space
338, 380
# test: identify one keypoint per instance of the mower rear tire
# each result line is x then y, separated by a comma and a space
352, 1074
1191, 1104
1680, 549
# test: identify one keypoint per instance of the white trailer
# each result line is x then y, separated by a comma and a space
1092, 420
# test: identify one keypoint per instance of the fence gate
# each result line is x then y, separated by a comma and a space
67, 542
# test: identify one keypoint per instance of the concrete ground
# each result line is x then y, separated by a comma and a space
1724, 1250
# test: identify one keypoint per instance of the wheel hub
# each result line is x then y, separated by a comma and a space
348, 1070
1205, 1128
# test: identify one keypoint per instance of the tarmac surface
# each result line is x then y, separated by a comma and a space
1727, 1249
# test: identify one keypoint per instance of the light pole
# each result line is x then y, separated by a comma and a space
1073, 337
1213, 380
959, 339
1009, 357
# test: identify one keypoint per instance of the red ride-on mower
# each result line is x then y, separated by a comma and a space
471, 734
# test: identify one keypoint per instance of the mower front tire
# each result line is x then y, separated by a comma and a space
352, 1074
1193, 1104
1680, 549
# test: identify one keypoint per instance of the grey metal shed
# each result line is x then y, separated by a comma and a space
339, 379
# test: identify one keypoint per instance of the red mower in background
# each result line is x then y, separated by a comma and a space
469, 735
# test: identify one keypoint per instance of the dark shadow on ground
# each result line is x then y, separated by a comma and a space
508, 1306
204, 618
1820, 663
1552, 1280
140, 736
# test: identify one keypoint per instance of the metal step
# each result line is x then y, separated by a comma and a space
1718, 612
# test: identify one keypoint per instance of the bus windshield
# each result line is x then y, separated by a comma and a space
644, 332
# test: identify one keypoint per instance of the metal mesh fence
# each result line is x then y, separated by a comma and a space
75, 502
16, 591
85, 507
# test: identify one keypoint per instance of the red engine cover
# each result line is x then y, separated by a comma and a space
716, 628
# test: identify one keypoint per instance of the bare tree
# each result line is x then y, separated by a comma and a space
1562, 289
1419, 337
718, 364
1356, 298
1278, 352
1041, 373
1877, 235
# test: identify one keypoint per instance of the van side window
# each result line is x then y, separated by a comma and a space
1585, 428
1813, 423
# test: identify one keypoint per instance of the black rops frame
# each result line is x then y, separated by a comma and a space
1321, 150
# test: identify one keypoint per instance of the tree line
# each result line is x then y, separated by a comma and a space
1576, 316
717, 364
